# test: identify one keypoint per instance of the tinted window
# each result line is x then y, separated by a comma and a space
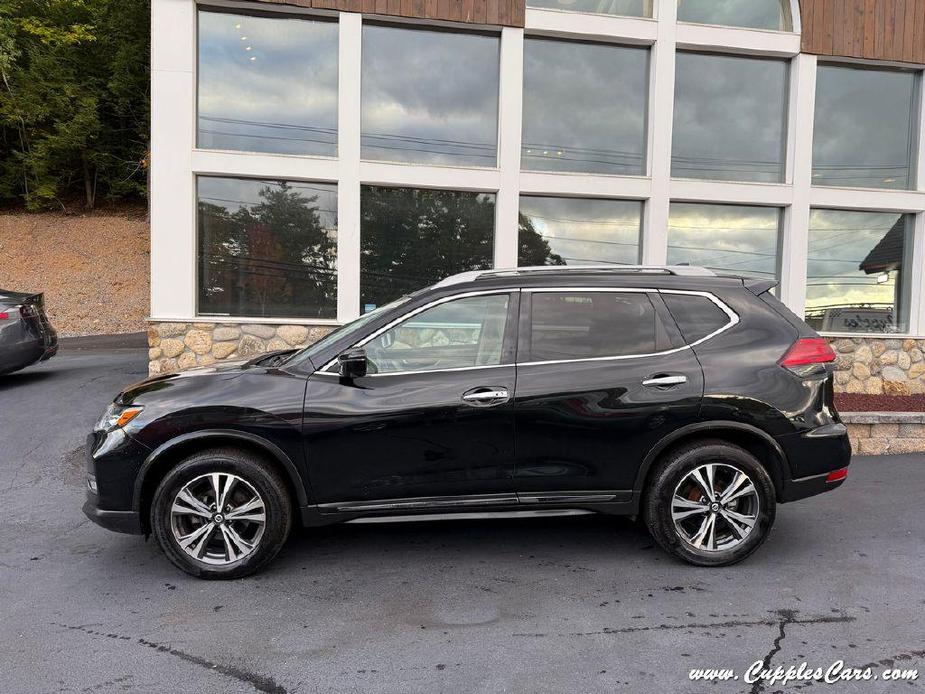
864, 132
267, 249
429, 97
632, 8
755, 14
738, 239
582, 325
859, 271
584, 107
729, 118
267, 84
411, 238
575, 231
462, 333
696, 316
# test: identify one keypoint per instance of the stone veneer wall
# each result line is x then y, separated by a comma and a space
879, 366
180, 346
876, 433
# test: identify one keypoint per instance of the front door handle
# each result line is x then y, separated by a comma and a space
485, 396
664, 381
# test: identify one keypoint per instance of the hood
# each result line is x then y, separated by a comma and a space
219, 371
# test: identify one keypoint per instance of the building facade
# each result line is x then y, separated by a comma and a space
314, 159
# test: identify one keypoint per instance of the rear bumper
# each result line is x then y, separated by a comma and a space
794, 490
117, 521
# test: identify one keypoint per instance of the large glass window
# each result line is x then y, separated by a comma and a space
736, 239
729, 118
756, 14
859, 271
865, 127
267, 84
430, 97
457, 334
587, 325
584, 107
411, 238
267, 249
578, 231
631, 8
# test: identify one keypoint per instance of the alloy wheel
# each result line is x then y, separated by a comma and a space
715, 507
218, 518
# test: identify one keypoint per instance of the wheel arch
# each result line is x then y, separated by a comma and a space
170, 453
757, 442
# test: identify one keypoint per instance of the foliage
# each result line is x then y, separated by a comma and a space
73, 100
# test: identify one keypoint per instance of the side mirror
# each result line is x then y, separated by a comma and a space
352, 363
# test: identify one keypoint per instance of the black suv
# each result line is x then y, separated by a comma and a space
695, 401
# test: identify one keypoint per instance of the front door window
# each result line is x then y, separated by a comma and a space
463, 333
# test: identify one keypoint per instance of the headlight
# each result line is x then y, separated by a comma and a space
117, 416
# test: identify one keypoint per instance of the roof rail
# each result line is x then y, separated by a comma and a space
474, 275
678, 270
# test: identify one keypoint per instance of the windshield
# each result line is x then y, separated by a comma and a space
347, 329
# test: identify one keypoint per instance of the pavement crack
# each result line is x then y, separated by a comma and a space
786, 617
261, 683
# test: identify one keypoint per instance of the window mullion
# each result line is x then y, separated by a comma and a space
510, 110
661, 119
795, 240
348, 152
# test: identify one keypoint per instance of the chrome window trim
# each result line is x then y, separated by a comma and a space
411, 314
732, 315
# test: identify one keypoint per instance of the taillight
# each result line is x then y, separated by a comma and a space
4, 315
807, 354
837, 475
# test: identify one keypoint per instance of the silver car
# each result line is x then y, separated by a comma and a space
26, 334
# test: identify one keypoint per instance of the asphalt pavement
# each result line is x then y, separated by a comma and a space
553, 605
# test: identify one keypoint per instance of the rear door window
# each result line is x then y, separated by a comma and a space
696, 316
586, 325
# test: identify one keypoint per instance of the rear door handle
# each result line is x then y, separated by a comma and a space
485, 396
664, 381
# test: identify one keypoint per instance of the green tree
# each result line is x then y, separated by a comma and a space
73, 100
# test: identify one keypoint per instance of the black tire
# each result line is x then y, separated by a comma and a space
255, 472
669, 473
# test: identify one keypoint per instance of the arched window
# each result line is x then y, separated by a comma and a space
773, 15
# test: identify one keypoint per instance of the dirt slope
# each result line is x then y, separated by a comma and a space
93, 268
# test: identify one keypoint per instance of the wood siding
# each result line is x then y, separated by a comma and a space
491, 12
874, 29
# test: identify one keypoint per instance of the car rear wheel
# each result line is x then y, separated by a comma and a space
222, 513
710, 503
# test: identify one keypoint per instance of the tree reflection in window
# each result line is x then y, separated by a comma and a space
411, 238
774, 15
267, 248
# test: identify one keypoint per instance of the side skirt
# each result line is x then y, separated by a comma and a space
621, 503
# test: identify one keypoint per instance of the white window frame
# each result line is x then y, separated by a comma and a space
176, 161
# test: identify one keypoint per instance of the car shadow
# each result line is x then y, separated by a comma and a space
23, 378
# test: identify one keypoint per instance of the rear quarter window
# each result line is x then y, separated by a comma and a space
696, 316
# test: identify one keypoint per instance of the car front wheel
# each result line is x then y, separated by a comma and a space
221, 514
710, 503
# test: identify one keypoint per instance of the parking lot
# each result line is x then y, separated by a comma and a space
559, 604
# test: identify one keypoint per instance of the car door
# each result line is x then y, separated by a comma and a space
432, 422
602, 375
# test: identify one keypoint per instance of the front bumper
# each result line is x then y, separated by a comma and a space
117, 521
113, 461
